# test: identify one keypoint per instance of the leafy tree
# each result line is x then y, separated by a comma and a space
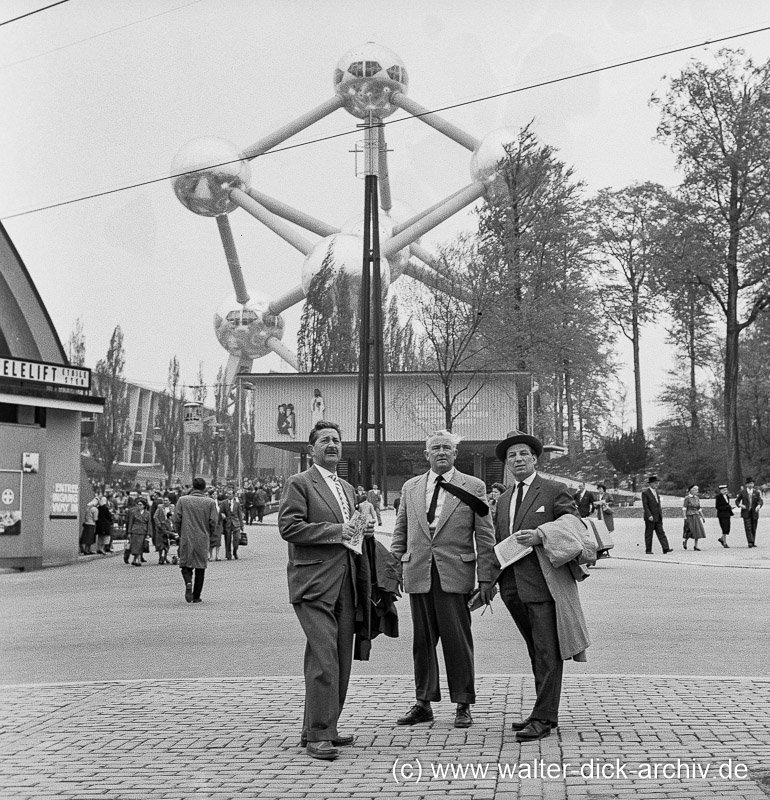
717, 122
628, 453
544, 317
111, 432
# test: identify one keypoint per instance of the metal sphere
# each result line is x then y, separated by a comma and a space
341, 254
355, 227
204, 171
367, 77
399, 213
243, 329
488, 156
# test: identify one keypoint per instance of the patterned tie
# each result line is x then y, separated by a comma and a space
517, 506
341, 497
434, 499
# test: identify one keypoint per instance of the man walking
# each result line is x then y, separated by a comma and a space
260, 501
232, 521
541, 597
653, 517
749, 500
443, 538
374, 496
195, 519
324, 577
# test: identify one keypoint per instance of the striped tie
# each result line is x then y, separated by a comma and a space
341, 498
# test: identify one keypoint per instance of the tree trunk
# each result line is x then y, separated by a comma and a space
732, 335
570, 414
693, 393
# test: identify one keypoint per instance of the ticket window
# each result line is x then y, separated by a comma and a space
22, 415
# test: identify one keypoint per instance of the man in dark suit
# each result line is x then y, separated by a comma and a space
531, 587
653, 517
442, 514
584, 500
724, 513
314, 517
232, 522
749, 500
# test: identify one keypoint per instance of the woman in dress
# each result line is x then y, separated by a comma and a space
317, 407
215, 538
603, 504
163, 529
137, 528
693, 518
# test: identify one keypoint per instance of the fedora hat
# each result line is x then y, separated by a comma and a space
517, 437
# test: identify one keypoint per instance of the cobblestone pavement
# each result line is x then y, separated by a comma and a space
238, 738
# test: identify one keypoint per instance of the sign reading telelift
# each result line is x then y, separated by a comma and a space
20, 369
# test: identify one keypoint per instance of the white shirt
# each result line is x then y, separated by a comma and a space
430, 485
527, 482
332, 484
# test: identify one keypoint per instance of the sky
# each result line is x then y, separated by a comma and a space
98, 95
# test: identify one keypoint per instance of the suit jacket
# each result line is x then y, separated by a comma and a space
724, 509
310, 520
585, 504
232, 518
650, 506
742, 501
451, 547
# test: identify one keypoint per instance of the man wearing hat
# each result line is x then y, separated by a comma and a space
749, 501
724, 513
653, 517
542, 598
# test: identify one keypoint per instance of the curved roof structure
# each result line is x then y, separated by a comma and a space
26, 330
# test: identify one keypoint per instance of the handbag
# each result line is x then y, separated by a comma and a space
244, 539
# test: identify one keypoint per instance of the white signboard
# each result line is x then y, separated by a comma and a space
21, 369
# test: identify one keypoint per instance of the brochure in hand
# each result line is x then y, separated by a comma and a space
356, 544
509, 551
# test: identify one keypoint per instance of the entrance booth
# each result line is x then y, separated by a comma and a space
41, 401
40, 481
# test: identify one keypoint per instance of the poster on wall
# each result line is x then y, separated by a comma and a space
30, 462
10, 503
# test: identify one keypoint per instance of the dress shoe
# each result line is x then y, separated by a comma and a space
342, 740
463, 717
537, 729
197, 600
696, 548
519, 726
722, 542
416, 714
670, 550
326, 751
188, 592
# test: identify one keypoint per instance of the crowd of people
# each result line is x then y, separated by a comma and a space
143, 517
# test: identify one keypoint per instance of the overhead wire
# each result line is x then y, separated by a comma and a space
30, 13
484, 98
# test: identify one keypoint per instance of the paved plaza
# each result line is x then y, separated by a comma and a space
115, 688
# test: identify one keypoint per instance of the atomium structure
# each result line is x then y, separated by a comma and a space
212, 177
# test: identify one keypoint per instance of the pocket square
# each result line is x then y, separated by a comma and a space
540, 510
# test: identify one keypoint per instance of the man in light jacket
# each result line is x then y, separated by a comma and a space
540, 589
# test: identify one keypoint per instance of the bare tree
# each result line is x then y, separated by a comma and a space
76, 345
169, 422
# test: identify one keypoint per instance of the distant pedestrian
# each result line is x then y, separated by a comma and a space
260, 501
375, 498
749, 501
162, 534
693, 518
195, 518
604, 504
653, 517
493, 496
88, 535
138, 529
584, 500
104, 520
724, 513
232, 518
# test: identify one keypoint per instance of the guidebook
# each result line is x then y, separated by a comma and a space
509, 551
356, 544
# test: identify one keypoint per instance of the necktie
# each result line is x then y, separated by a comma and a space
517, 506
341, 496
434, 499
